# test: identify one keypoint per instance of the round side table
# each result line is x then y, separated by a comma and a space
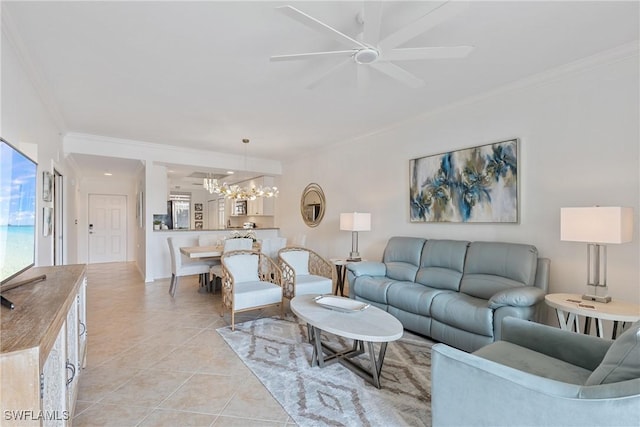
569, 306
341, 272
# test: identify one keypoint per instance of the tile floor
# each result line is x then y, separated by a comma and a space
154, 360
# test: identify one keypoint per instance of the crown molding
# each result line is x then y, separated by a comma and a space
98, 145
39, 83
611, 56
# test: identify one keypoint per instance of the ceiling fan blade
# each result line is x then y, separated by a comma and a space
444, 12
316, 80
412, 54
318, 26
363, 76
398, 73
309, 55
372, 17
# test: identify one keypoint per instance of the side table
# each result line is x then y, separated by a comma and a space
341, 273
569, 306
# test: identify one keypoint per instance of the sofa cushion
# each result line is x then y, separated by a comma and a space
372, 288
622, 361
411, 297
491, 267
298, 260
530, 361
402, 257
463, 312
442, 264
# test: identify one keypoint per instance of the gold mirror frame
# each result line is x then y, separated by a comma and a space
312, 205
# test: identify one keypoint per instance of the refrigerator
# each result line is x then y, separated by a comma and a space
179, 212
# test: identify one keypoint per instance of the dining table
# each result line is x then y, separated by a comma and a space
201, 252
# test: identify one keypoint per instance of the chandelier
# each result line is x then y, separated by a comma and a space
237, 192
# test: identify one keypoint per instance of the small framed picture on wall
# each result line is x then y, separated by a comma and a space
197, 216
47, 221
47, 186
197, 207
198, 225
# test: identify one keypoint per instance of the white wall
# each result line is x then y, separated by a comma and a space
29, 125
579, 132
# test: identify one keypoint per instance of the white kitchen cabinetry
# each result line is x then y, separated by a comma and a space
261, 205
43, 348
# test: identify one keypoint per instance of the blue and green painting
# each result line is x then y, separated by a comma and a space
478, 184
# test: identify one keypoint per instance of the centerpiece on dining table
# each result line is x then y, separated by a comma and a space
243, 234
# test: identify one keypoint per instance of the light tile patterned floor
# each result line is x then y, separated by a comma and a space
154, 360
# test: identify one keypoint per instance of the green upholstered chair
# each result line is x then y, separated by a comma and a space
539, 375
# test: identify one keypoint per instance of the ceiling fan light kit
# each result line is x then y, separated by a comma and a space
376, 53
366, 55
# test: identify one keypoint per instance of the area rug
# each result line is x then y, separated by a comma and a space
278, 353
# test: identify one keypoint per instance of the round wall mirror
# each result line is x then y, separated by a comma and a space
312, 205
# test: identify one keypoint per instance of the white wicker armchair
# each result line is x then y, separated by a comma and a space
250, 280
304, 272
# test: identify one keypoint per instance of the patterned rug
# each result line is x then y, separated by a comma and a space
278, 353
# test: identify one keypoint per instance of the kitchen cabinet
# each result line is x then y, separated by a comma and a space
44, 347
261, 205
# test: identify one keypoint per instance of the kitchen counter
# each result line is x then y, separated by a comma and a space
221, 229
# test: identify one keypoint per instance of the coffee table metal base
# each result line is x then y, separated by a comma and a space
324, 354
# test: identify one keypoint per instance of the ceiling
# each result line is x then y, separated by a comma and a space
198, 74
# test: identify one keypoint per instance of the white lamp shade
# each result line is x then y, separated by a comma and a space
598, 224
355, 221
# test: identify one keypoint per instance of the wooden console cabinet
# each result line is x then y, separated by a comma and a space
43, 346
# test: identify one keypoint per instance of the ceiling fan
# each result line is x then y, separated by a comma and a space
373, 53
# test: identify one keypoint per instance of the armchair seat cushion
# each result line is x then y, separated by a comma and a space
256, 294
533, 362
312, 284
464, 312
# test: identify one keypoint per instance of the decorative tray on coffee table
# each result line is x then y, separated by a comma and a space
344, 305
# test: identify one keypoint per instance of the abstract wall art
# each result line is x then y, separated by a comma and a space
473, 185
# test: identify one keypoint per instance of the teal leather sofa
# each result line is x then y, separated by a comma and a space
538, 375
456, 292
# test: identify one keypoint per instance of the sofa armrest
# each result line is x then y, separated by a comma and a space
367, 268
468, 390
525, 296
581, 350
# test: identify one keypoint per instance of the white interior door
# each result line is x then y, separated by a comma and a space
107, 228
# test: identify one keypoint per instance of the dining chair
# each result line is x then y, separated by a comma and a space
250, 281
299, 240
181, 265
210, 240
304, 272
229, 245
270, 246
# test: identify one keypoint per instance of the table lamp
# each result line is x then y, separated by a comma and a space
596, 226
355, 222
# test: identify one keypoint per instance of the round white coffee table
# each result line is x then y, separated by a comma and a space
369, 326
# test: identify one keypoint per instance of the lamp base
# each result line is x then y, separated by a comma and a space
605, 299
354, 256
